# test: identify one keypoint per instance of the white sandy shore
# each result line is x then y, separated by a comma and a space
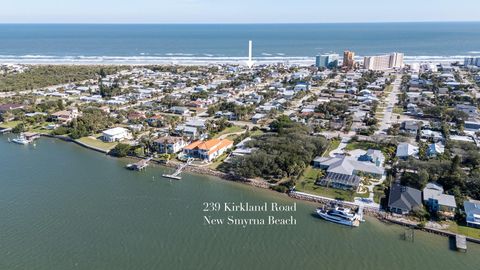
147, 60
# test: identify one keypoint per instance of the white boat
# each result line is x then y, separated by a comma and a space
21, 139
340, 215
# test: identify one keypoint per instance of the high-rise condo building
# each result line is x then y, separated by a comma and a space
326, 61
383, 62
348, 59
472, 61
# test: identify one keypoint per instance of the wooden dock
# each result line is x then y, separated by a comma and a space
5, 130
461, 243
179, 170
140, 165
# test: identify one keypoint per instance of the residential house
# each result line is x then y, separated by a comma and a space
257, 117
169, 144
468, 109
406, 150
187, 131
402, 199
115, 134
207, 150
472, 212
374, 156
241, 149
431, 135
435, 149
64, 116
437, 201
180, 110
343, 172
410, 126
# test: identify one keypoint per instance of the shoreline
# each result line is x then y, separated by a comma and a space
306, 197
197, 60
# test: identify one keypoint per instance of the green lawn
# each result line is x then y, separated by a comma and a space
334, 143
397, 110
256, 133
217, 162
307, 184
10, 124
97, 143
361, 145
378, 193
232, 129
467, 231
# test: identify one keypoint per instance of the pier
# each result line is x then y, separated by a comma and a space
5, 130
461, 243
179, 170
138, 166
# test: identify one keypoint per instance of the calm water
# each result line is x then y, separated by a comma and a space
65, 207
37, 43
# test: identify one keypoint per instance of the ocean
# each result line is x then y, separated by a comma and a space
181, 43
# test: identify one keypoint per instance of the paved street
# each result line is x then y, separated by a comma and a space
392, 99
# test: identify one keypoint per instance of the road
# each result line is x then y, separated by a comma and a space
392, 99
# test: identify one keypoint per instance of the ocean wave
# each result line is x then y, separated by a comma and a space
179, 54
474, 52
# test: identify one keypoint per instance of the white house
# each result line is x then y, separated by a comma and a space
115, 134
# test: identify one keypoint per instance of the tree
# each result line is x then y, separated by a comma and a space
121, 150
19, 128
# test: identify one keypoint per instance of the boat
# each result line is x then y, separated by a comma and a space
21, 139
340, 215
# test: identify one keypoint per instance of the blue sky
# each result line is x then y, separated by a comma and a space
238, 11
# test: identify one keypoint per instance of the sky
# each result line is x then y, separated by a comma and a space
238, 11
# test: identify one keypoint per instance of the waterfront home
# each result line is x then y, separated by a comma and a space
115, 134
343, 172
403, 199
472, 213
207, 150
64, 116
406, 150
241, 149
169, 144
374, 156
436, 201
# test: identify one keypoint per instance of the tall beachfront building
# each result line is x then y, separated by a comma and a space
383, 62
472, 61
348, 59
326, 61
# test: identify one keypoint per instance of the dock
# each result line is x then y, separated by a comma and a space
360, 213
5, 130
140, 165
176, 174
461, 243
